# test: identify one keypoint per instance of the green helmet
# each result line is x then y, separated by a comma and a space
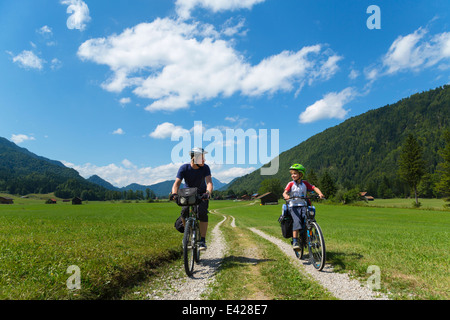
298, 167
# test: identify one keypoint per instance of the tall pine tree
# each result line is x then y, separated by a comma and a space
411, 164
444, 169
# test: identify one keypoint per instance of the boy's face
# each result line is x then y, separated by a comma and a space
295, 175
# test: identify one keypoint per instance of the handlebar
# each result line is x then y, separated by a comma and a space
316, 197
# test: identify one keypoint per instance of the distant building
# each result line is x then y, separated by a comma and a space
268, 198
50, 201
366, 197
77, 200
4, 200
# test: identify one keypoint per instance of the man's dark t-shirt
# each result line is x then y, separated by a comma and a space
194, 178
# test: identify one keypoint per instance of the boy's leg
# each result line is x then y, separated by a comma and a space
296, 216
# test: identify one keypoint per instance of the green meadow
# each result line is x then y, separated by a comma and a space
120, 245
410, 246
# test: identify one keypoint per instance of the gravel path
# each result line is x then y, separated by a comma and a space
184, 288
339, 284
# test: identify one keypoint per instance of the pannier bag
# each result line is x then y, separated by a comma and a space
286, 223
187, 197
179, 225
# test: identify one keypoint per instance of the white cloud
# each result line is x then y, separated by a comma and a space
184, 7
414, 52
45, 30
124, 101
404, 53
174, 64
166, 129
331, 106
353, 74
55, 64
119, 131
127, 173
128, 164
79, 14
28, 60
19, 138
225, 175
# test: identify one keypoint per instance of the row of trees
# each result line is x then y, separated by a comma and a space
75, 188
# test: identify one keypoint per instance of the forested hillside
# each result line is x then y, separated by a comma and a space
23, 172
363, 151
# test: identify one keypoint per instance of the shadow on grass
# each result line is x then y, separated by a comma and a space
240, 261
123, 279
340, 260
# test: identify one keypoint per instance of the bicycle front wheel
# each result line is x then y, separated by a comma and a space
197, 241
316, 246
189, 247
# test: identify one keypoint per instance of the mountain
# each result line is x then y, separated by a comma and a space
161, 189
363, 150
23, 172
103, 183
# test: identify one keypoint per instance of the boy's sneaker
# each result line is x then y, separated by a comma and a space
202, 246
295, 244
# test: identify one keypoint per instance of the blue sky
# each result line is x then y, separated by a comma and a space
101, 85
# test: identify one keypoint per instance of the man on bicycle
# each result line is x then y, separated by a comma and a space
298, 188
196, 174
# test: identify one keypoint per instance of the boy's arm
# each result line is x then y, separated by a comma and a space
287, 190
317, 190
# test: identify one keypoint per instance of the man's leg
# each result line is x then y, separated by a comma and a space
203, 217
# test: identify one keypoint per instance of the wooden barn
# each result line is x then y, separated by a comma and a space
365, 196
268, 198
77, 200
4, 200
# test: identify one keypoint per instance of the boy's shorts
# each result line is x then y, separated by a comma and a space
298, 215
202, 211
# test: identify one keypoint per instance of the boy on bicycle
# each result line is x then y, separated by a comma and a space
196, 174
297, 207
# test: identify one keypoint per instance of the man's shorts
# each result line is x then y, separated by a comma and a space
202, 211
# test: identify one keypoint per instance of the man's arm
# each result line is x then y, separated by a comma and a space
176, 186
209, 184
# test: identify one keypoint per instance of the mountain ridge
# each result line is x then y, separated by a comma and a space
363, 150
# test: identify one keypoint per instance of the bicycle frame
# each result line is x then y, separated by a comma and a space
191, 239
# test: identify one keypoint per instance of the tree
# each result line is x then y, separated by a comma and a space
311, 177
443, 185
271, 185
411, 164
327, 185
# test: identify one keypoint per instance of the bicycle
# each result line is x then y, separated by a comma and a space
313, 238
191, 236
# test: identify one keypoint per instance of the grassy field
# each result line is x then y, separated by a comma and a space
115, 245
119, 245
409, 246
427, 204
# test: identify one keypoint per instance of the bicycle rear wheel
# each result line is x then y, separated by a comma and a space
189, 247
316, 246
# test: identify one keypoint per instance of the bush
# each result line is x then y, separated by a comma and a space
345, 196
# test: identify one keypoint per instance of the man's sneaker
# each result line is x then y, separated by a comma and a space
295, 244
202, 246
